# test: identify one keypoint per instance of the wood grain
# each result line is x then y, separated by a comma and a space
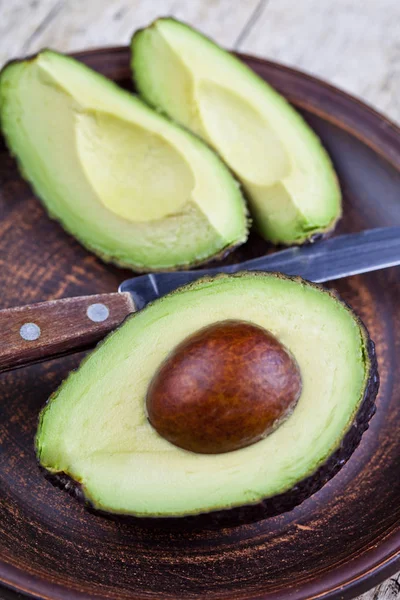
390, 590
352, 44
69, 25
46, 330
21, 22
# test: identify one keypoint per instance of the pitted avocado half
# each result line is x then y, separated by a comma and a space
96, 429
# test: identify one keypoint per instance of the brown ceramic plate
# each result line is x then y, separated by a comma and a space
338, 543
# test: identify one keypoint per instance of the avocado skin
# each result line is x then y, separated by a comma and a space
107, 258
306, 239
270, 507
275, 505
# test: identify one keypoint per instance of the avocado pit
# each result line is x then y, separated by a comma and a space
223, 388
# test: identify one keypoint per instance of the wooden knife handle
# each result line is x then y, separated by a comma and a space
37, 332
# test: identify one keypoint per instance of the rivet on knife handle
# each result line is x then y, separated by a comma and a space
37, 332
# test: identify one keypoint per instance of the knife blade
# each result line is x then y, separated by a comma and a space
37, 332
341, 256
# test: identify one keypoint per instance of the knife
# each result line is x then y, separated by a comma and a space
37, 332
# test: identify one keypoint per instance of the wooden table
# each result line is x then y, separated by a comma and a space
354, 45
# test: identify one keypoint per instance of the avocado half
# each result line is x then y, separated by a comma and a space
95, 431
287, 175
130, 185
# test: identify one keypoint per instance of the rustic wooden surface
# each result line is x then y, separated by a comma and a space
353, 45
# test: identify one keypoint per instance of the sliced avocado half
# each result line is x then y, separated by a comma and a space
287, 175
95, 428
127, 183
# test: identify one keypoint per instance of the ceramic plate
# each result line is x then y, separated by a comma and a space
338, 543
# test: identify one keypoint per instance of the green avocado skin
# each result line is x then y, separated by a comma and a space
275, 505
142, 246
303, 226
270, 507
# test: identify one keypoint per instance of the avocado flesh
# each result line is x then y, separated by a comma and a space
287, 175
126, 182
95, 427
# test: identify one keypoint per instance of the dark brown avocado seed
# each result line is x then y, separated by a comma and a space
223, 388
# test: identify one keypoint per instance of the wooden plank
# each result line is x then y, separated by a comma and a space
68, 25
354, 45
21, 23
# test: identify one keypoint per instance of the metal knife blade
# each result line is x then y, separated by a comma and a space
338, 257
